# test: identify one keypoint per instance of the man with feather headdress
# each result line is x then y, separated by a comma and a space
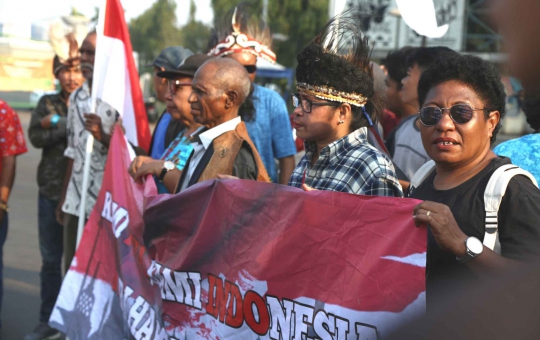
48, 131
245, 39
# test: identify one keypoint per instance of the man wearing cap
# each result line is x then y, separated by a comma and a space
245, 40
168, 168
166, 128
48, 131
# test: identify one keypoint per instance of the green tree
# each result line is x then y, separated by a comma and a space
298, 21
154, 30
195, 34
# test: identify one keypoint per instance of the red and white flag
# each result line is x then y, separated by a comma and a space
116, 80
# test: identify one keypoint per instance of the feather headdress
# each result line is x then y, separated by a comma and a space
65, 46
335, 66
242, 32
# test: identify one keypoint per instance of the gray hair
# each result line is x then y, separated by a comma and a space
231, 75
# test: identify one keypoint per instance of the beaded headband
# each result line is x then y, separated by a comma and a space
329, 93
240, 42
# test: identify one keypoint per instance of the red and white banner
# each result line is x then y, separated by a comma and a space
116, 80
238, 259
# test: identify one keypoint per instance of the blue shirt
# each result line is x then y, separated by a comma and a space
349, 164
271, 130
159, 136
178, 152
523, 152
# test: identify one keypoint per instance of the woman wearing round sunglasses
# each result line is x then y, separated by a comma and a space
462, 102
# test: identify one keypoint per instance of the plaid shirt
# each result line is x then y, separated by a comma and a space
350, 165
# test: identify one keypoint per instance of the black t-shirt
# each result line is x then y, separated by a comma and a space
518, 221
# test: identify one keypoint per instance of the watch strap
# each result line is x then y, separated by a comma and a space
162, 174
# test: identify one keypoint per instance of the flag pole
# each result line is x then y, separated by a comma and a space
90, 140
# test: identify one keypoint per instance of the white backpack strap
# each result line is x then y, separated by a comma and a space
421, 174
495, 190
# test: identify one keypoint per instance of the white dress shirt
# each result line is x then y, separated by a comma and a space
199, 149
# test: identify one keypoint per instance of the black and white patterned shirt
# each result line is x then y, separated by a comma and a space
79, 104
349, 164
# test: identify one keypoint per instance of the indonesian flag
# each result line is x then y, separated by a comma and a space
116, 80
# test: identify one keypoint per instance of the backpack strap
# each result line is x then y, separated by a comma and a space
495, 190
421, 174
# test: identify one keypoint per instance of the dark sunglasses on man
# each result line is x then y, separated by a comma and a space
251, 68
174, 85
308, 104
460, 114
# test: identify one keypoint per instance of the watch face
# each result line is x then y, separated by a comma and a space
475, 245
168, 165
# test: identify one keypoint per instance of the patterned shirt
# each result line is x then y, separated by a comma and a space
271, 130
178, 152
11, 135
350, 165
53, 142
79, 104
523, 152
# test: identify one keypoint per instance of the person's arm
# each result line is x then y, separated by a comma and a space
143, 165
40, 131
6, 181
94, 125
286, 168
282, 140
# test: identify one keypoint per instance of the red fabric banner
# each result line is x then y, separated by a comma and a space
241, 259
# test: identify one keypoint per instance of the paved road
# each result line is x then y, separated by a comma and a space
22, 261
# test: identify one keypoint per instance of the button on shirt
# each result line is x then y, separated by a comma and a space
77, 136
350, 165
206, 139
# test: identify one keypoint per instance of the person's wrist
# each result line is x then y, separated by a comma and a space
460, 246
4, 206
55, 119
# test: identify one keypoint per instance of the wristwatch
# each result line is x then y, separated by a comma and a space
474, 248
167, 166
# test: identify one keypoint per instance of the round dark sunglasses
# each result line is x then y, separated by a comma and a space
308, 104
460, 114
251, 68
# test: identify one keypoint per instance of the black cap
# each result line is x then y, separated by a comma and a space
170, 57
187, 68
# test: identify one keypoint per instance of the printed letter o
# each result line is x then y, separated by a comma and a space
251, 298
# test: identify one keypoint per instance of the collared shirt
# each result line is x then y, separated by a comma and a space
53, 142
207, 137
350, 165
11, 135
271, 130
79, 104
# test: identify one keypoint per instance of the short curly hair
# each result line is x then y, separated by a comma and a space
396, 63
477, 74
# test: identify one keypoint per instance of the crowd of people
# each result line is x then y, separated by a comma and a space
439, 114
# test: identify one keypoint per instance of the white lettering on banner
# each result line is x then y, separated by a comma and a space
182, 287
115, 214
303, 319
280, 324
142, 321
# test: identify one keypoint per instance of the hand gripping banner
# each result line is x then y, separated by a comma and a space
237, 259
